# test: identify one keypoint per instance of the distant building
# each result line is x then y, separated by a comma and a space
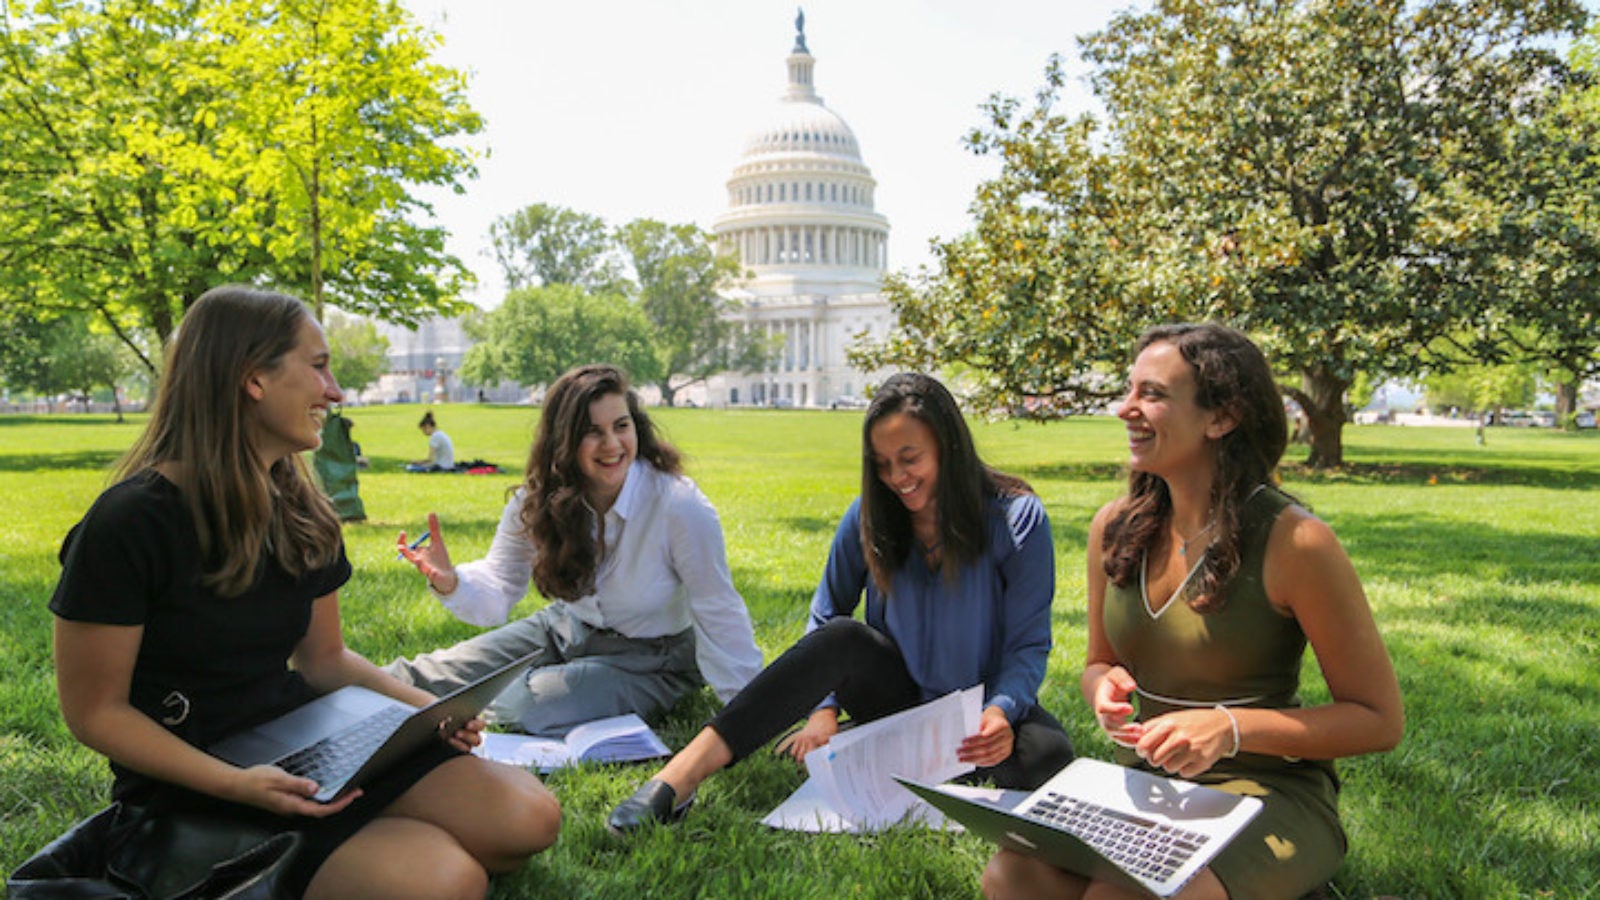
801, 219
424, 367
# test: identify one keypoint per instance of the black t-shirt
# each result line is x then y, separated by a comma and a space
207, 665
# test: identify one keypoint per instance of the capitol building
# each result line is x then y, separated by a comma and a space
800, 218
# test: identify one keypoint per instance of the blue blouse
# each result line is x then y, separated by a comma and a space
989, 624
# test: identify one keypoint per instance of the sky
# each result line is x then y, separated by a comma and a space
631, 109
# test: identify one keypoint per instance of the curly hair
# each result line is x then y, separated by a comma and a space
555, 514
242, 513
964, 484
1230, 373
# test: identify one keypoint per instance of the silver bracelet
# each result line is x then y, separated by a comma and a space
1235, 723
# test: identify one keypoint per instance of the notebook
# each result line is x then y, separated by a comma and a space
345, 738
1109, 822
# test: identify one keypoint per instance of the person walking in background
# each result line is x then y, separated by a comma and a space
441, 452
629, 550
199, 596
1205, 584
957, 565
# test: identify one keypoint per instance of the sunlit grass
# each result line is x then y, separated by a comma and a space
1482, 565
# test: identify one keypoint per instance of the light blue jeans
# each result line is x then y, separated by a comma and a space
580, 673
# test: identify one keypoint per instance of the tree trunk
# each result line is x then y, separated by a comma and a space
1322, 398
1566, 399
668, 392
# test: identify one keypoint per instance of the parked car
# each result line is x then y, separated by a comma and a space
1584, 419
845, 401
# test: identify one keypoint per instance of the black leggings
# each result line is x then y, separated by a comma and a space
864, 670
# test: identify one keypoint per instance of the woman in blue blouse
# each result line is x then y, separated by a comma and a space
958, 569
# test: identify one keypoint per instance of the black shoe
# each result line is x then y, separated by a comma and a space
654, 801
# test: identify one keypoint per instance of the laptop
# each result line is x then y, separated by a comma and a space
344, 739
1108, 822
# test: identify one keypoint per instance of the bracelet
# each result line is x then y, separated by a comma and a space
1235, 723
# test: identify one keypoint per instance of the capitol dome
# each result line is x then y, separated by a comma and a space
800, 200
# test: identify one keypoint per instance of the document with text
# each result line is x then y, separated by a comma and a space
851, 785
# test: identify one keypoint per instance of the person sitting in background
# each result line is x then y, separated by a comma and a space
441, 453
1205, 583
606, 525
956, 562
213, 564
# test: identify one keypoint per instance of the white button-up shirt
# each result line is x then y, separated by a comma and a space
663, 569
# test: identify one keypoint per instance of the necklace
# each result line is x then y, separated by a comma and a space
1183, 550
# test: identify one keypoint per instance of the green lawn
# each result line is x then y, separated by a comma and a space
1482, 565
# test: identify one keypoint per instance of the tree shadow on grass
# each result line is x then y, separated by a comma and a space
1087, 471
1410, 546
1410, 473
48, 462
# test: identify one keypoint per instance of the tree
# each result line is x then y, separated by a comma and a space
62, 356
360, 353
678, 274
539, 333
157, 148
542, 245
1481, 388
1321, 174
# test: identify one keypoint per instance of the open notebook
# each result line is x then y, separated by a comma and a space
1108, 822
624, 738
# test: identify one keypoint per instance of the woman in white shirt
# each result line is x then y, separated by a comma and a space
630, 551
441, 452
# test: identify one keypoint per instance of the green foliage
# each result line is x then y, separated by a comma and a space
1479, 388
541, 245
360, 353
155, 149
1345, 181
538, 333
672, 272
62, 355
678, 273
1478, 562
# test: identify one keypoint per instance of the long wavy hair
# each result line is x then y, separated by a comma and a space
555, 513
1230, 373
964, 484
242, 512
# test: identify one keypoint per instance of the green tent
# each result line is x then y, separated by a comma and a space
336, 465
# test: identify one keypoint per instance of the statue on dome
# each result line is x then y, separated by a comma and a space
800, 30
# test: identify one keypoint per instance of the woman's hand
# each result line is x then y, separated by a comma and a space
432, 559
820, 728
993, 742
1187, 742
1113, 706
469, 735
274, 790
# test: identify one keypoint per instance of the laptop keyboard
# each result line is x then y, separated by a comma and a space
337, 756
1150, 849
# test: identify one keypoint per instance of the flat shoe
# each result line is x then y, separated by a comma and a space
652, 802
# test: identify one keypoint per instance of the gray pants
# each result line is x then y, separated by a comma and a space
579, 673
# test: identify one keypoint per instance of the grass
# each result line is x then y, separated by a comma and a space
1482, 565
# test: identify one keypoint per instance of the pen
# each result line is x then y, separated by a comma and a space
416, 543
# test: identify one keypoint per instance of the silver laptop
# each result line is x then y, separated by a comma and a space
1108, 822
344, 739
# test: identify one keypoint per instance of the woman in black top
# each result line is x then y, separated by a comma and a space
213, 564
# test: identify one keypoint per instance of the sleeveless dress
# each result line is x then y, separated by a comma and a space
1244, 655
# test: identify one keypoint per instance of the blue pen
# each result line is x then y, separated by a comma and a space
416, 543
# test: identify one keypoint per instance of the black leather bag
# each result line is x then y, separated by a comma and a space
125, 853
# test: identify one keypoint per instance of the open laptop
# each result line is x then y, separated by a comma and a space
343, 739
1108, 822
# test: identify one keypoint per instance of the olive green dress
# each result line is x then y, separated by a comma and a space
1248, 655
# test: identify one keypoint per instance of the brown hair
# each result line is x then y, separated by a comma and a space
555, 514
241, 512
964, 484
1231, 373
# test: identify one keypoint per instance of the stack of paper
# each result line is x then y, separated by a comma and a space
622, 738
852, 786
